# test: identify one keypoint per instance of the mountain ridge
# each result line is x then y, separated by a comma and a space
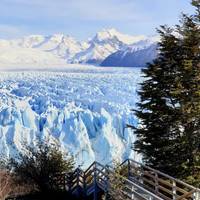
61, 48
136, 55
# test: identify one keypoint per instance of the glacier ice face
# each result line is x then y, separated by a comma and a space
86, 110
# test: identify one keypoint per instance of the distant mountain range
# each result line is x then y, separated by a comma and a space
136, 55
106, 48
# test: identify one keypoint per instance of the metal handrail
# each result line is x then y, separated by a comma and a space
165, 175
136, 186
192, 189
98, 175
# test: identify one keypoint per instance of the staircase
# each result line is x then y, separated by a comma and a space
135, 181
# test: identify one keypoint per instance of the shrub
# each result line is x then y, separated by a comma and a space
42, 166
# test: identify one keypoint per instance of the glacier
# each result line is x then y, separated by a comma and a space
86, 109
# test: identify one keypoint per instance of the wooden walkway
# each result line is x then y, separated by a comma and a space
136, 181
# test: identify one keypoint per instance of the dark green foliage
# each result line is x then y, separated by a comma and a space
158, 133
49, 196
193, 177
42, 166
169, 109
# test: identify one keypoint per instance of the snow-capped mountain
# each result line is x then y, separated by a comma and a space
37, 50
135, 55
104, 44
60, 45
61, 48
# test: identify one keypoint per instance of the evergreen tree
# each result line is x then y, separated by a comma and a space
157, 108
189, 94
168, 134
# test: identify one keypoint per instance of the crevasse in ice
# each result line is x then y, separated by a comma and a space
85, 110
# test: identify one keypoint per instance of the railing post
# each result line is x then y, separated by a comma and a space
141, 175
95, 182
174, 189
156, 183
132, 194
68, 180
106, 182
150, 198
77, 177
84, 186
65, 181
196, 195
129, 169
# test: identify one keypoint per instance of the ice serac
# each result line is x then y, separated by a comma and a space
85, 110
87, 135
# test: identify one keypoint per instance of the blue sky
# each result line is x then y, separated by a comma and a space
83, 18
